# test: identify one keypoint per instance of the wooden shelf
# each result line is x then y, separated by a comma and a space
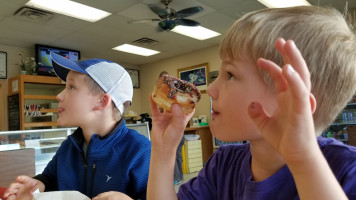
41, 79
26, 96
39, 124
49, 110
32, 89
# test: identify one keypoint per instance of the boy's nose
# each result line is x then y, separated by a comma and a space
211, 90
59, 96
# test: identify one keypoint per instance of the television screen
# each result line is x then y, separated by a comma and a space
43, 58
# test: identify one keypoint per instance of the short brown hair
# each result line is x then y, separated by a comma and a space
326, 41
95, 89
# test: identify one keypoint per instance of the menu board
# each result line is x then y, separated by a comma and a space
14, 112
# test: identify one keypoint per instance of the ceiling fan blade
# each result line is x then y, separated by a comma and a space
188, 12
158, 10
143, 21
187, 22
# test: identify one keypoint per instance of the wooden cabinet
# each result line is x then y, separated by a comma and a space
206, 140
193, 161
33, 90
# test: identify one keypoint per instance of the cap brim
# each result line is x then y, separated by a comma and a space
62, 66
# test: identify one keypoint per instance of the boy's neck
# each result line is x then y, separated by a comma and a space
265, 160
102, 128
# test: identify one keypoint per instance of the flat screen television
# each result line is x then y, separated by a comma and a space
43, 58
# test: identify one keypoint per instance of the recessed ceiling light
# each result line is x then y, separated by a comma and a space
284, 3
196, 32
70, 8
136, 50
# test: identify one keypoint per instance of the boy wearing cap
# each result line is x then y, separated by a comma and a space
102, 157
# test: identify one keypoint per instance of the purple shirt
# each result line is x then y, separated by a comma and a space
227, 175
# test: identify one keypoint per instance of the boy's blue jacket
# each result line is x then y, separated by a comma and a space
117, 162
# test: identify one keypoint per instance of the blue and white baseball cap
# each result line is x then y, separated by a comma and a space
111, 77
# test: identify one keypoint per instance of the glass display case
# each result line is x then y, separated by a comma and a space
47, 141
142, 128
44, 141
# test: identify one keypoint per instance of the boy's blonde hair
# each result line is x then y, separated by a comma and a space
326, 41
95, 89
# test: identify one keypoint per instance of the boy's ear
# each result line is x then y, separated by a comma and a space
312, 102
104, 101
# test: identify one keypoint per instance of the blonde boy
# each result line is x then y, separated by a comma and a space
102, 158
266, 92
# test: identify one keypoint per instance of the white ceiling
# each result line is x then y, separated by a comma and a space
97, 39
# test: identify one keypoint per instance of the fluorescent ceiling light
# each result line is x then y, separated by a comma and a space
70, 8
284, 3
135, 50
196, 32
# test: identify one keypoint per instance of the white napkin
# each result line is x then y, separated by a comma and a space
60, 195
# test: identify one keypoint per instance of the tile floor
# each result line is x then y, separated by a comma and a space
186, 178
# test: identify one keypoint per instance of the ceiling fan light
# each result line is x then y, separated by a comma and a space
167, 24
128, 48
196, 32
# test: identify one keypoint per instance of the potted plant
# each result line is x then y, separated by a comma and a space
27, 65
22, 64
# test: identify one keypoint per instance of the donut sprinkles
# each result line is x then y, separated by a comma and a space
177, 85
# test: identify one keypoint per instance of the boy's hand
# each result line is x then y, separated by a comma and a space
168, 127
290, 129
112, 196
22, 188
167, 131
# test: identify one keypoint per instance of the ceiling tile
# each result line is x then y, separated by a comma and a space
216, 21
112, 6
237, 10
218, 5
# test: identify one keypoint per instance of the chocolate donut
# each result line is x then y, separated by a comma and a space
169, 90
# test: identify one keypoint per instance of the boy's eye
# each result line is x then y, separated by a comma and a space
70, 87
230, 76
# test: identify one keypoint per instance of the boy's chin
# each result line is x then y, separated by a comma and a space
63, 123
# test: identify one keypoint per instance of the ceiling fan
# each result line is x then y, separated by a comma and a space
170, 18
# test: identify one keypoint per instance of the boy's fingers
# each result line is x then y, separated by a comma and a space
297, 88
291, 55
280, 47
9, 192
275, 72
177, 113
154, 107
12, 197
23, 179
297, 61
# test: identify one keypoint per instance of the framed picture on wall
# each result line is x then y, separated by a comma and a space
197, 74
135, 77
3, 65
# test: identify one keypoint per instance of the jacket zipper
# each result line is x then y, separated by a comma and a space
85, 176
92, 179
86, 169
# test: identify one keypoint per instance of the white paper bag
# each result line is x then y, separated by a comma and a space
60, 195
